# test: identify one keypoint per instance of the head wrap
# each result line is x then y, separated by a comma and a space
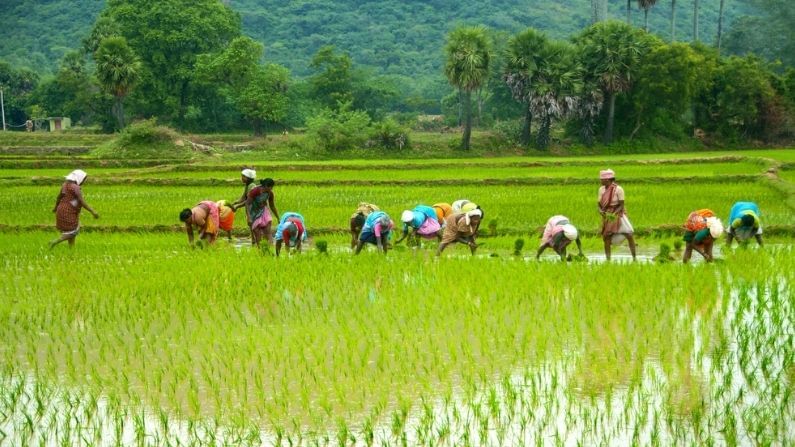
77, 176
570, 231
249, 173
471, 214
715, 227
407, 216
606, 174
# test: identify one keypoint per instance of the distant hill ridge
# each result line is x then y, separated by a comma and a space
402, 38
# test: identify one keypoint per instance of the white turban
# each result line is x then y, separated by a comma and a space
407, 216
249, 173
470, 214
77, 176
570, 231
715, 227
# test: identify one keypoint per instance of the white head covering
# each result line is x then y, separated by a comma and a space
472, 213
715, 227
77, 176
249, 173
407, 216
458, 204
570, 231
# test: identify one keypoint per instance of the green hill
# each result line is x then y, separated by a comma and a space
393, 37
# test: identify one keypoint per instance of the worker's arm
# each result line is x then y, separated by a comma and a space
85, 205
758, 238
441, 248
278, 247
359, 246
189, 230
579, 245
405, 234
273, 206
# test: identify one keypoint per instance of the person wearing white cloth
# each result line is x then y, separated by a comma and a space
615, 223
461, 228
558, 234
67, 208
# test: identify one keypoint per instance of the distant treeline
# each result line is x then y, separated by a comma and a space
188, 65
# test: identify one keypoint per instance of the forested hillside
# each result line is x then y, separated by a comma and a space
393, 37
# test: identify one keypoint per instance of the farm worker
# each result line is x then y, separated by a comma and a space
292, 231
376, 230
558, 234
422, 220
461, 228
358, 219
248, 178
701, 230
744, 223
67, 208
205, 217
615, 223
226, 217
259, 204
443, 210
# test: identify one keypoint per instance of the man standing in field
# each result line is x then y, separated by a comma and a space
744, 223
615, 223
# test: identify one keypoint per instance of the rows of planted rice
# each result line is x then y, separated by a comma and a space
514, 207
131, 340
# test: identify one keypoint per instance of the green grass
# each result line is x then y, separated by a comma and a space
515, 207
315, 344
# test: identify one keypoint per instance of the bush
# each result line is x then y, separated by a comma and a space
145, 139
146, 132
510, 131
336, 131
388, 134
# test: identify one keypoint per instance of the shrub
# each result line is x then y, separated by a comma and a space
388, 134
510, 131
339, 130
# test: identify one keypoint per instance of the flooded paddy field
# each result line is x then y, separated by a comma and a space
134, 338
130, 339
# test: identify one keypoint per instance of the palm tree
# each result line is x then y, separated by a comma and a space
521, 67
720, 22
556, 88
610, 52
118, 70
629, 12
673, 20
598, 10
646, 5
467, 67
695, 20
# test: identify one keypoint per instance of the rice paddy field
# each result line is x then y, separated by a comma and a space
134, 338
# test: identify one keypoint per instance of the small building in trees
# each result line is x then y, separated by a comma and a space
59, 123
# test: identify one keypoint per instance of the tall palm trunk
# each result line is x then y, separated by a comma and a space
720, 23
695, 20
646, 19
467, 120
611, 114
119, 106
629, 12
542, 139
673, 20
526, 127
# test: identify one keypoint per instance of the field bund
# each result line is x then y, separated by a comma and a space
133, 338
